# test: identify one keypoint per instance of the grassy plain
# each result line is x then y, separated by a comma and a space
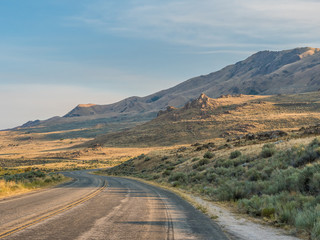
29, 161
25, 150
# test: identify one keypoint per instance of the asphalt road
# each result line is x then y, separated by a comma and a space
88, 209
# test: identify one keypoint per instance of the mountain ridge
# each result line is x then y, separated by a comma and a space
257, 65
263, 73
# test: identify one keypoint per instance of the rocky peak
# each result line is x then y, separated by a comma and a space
203, 101
85, 105
309, 52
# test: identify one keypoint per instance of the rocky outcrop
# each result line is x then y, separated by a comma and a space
310, 130
169, 109
202, 102
265, 135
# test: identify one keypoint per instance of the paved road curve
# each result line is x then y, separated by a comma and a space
86, 209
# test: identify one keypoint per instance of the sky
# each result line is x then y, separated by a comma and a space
56, 54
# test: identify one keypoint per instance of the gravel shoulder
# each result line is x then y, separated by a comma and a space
239, 227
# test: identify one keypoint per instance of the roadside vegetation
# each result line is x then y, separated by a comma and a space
280, 185
13, 181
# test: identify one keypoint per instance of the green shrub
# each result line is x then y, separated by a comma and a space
308, 218
268, 212
201, 168
268, 150
212, 177
48, 180
25, 176
228, 164
315, 143
230, 190
208, 155
166, 172
251, 206
315, 232
235, 154
199, 165
307, 157
203, 161
253, 175
141, 156
175, 183
307, 178
179, 177
198, 177
266, 172
195, 166
155, 177
287, 212
164, 158
315, 183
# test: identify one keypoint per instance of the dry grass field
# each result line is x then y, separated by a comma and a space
25, 150
28, 160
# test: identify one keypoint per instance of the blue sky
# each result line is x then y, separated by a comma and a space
56, 54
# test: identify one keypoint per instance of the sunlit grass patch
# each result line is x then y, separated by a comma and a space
11, 184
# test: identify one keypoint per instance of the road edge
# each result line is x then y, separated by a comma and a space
202, 206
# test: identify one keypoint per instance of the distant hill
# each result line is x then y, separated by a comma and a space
264, 73
228, 116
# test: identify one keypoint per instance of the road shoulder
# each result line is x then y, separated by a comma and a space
234, 225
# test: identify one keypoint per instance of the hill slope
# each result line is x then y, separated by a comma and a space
264, 73
228, 116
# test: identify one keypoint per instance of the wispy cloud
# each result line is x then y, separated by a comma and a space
209, 22
31, 65
199, 36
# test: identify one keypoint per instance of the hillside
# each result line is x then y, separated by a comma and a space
275, 181
264, 73
225, 117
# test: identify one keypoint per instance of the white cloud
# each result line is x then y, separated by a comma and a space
209, 23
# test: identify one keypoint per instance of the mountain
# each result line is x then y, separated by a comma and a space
228, 116
264, 73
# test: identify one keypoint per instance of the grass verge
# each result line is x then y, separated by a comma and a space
18, 183
278, 185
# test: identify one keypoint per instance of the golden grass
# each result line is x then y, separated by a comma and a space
57, 155
12, 188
